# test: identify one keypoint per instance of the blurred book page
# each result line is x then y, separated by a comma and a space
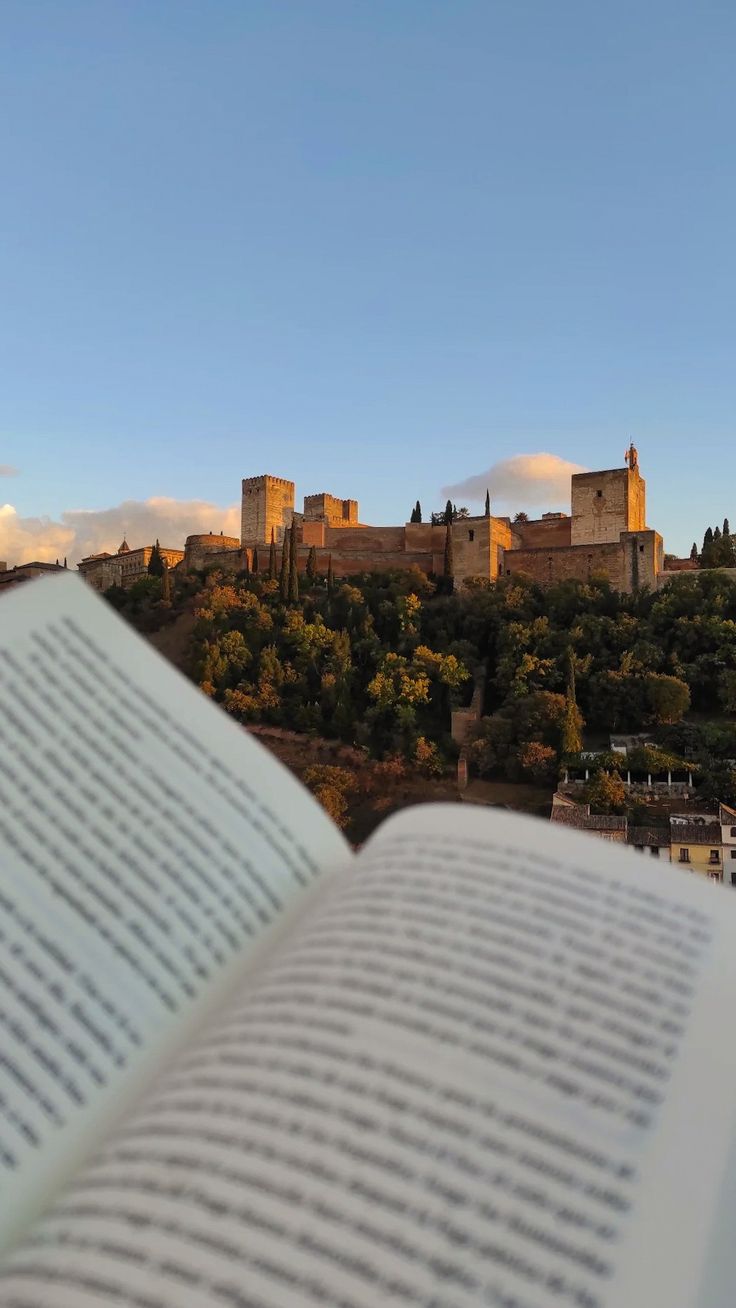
490, 1067
147, 846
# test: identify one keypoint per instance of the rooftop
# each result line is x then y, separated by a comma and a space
659, 837
582, 821
695, 833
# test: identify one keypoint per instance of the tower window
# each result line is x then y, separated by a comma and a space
471, 534
641, 549
599, 495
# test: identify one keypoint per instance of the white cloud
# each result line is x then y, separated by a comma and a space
90, 531
520, 482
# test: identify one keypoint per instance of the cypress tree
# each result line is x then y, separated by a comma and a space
272, 559
330, 578
165, 584
726, 528
448, 513
418, 511
254, 565
156, 563
413, 515
571, 742
708, 537
312, 563
293, 566
284, 574
571, 695
449, 557
717, 534
488, 503
694, 553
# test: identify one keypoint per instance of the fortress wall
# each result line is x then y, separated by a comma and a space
345, 564
542, 533
578, 561
423, 536
313, 533
230, 560
199, 549
365, 540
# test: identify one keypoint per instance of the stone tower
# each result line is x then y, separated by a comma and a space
604, 504
267, 502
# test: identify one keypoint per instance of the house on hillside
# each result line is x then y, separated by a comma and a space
696, 843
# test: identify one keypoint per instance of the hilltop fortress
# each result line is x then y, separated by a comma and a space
605, 533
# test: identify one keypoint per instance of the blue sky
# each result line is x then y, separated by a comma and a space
372, 245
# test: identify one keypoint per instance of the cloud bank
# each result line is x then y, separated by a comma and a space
79, 532
7, 470
521, 482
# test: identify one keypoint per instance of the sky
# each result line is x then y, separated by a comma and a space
375, 246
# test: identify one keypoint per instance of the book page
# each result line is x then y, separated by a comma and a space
493, 1066
148, 845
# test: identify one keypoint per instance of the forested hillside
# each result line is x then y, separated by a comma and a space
381, 661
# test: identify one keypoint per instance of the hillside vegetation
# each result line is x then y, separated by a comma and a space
379, 662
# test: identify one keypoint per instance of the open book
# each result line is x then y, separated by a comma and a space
485, 1062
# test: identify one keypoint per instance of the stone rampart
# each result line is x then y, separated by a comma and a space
200, 550
541, 533
579, 562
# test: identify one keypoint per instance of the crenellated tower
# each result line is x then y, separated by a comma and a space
267, 502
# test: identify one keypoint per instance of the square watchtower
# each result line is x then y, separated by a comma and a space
267, 502
605, 504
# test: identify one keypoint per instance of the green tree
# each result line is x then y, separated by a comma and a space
727, 689
521, 517
606, 793
312, 563
330, 578
293, 565
272, 558
694, 552
418, 512
726, 528
669, 698
448, 513
165, 584
488, 504
284, 574
254, 565
156, 563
